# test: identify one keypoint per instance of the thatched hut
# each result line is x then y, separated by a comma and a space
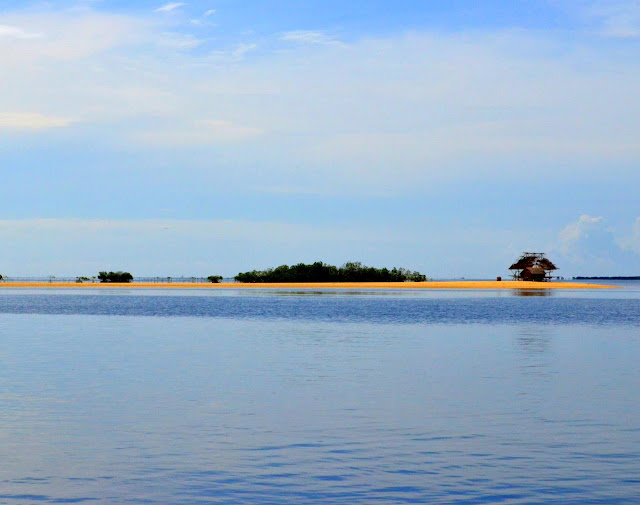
532, 267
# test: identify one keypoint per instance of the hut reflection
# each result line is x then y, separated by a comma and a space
532, 292
533, 345
533, 341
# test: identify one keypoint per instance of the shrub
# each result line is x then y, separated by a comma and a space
115, 276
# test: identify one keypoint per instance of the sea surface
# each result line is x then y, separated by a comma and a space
120, 396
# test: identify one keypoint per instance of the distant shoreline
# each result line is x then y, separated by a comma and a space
318, 285
614, 278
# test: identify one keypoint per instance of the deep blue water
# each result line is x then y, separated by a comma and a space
381, 307
270, 397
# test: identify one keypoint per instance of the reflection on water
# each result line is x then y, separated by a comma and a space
533, 345
533, 340
324, 292
532, 292
528, 307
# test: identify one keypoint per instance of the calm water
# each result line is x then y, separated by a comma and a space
282, 397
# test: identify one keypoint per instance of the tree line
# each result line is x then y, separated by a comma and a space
315, 272
321, 272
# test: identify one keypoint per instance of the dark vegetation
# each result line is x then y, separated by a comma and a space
320, 272
215, 279
115, 277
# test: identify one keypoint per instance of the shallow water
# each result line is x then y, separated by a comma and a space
186, 397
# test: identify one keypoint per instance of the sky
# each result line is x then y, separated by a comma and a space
212, 137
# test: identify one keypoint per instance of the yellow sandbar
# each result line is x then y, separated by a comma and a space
321, 285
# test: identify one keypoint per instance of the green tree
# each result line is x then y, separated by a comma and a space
215, 279
320, 272
118, 276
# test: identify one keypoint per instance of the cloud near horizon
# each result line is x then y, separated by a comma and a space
580, 230
161, 247
591, 245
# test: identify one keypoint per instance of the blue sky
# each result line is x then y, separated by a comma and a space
191, 138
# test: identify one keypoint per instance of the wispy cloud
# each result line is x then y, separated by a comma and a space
394, 113
309, 37
66, 36
18, 33
616, 18
178, 41
208, 13
242, 49
31, 121
286, 190
170, 7
200, 132
235, 53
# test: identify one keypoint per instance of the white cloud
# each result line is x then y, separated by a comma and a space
397, 113
170, 7
309, 37
70, 36
30, 121
178, 41
589, 246
243, 49
582, 230
18, 33
199, 133
234, 54
208, 13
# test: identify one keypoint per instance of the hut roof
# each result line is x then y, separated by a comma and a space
522, 263
530, 260
546, 264
527, 260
